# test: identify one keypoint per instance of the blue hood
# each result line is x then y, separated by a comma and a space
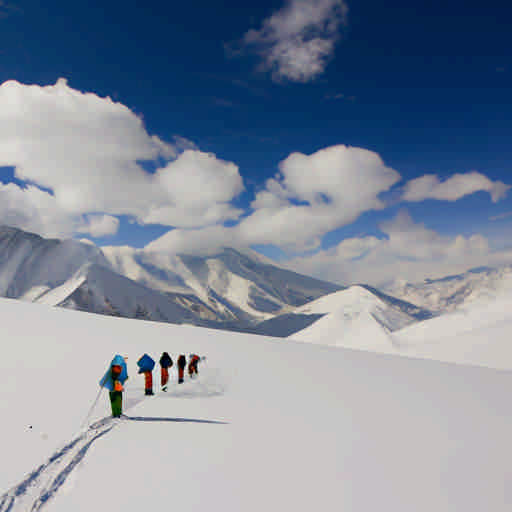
107, 381
146, 364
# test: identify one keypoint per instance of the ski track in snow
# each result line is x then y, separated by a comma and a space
42, 484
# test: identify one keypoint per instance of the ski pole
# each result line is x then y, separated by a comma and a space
91, 409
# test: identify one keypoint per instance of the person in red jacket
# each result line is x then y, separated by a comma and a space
192, 365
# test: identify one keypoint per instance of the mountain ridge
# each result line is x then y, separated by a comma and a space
230, 290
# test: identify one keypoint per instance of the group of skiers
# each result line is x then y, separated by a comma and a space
117, 374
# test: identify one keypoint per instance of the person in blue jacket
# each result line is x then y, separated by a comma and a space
113, 380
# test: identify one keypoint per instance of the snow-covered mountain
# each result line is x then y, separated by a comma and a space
76, 275
341, 317
239, 286
30, 265
96, 289
231, 290
453, 292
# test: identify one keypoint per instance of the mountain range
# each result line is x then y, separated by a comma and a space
454, 292
232, 290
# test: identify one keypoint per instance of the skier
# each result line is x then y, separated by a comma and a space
182, 362
113, 380
146, 365
165, 363
192, 365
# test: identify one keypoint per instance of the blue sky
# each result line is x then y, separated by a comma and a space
423, 85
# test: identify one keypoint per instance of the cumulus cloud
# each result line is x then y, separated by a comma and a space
87, 152
99, 225
408, 250
37, 211
453, 188
314, 194
310, 196
195, 190
296, 42
34, 210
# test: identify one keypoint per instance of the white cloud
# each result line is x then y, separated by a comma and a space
37, 211
87, 151
409, 251
99, 225
454, 188
296, 42
195, 190
87, 241
312, 195
203, 241
34, 210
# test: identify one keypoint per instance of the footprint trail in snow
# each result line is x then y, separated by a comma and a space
43, 483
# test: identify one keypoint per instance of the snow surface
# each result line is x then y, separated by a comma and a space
477, 333
270, 424
354, 318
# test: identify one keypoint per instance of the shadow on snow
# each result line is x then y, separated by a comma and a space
174, 420
43, 483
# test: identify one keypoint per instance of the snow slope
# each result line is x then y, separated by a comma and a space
452, 292
340, 318
477, 333
268, 425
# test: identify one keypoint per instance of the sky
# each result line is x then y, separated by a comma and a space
353, 141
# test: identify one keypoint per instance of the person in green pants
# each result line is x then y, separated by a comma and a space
113, 380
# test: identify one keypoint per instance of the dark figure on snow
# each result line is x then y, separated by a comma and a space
165, 363
192, 365
182, 362
113, 380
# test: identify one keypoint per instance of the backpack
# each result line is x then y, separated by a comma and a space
166, 360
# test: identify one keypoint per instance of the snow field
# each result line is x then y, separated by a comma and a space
302, 427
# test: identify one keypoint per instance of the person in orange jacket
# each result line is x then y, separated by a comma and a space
192, 365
